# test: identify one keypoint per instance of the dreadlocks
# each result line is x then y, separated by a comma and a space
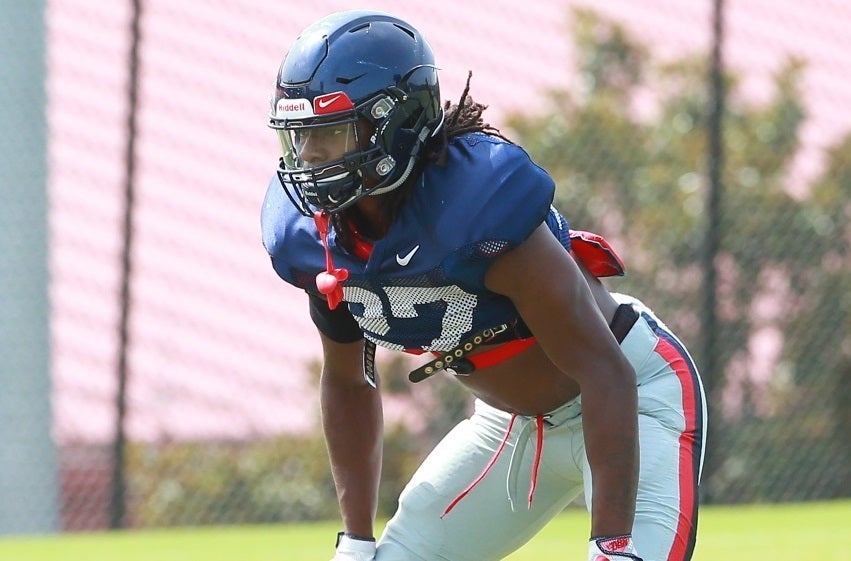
461, 118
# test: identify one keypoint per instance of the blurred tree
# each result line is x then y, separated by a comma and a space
626, 146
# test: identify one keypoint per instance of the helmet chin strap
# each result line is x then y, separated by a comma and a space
397, 183
425, 132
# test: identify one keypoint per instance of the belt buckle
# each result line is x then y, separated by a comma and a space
489, 334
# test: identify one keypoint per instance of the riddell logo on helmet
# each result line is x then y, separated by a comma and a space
291, 108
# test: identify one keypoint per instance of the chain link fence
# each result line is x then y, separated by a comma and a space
615, 100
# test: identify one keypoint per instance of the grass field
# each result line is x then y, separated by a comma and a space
799, 532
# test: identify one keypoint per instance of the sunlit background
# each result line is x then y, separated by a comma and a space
220, 355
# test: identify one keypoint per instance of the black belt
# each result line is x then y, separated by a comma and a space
455, 358
623, 320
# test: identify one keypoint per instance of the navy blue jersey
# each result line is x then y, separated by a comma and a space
423, 285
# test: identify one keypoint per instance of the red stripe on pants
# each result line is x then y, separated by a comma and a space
687, 472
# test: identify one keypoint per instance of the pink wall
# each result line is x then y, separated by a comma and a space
219, 344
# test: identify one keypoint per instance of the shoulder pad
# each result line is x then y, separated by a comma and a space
487, 199
290, 239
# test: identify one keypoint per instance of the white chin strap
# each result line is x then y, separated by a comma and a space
397, 183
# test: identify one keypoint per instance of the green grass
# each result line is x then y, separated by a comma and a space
796, 532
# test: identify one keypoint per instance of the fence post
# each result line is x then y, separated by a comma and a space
28, 476
709, 360
118, 507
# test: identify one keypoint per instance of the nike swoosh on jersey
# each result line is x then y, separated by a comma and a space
403, 261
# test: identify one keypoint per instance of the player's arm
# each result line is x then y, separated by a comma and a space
352, 420
548, 289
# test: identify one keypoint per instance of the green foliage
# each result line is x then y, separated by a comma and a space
267, 481
276, 480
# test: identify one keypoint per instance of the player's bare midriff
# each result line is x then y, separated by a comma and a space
529, 383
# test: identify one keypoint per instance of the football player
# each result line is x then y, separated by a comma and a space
418, 227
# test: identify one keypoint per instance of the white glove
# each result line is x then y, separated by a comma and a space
354, 549
616, 548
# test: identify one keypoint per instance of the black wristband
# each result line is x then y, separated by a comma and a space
595, 538
352, 537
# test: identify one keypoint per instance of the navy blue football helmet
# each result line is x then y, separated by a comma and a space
356, 99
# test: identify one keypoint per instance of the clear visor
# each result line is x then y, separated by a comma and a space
311, 146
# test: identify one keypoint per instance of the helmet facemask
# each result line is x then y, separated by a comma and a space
321, 160
331, 162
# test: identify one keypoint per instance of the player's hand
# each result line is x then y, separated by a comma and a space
615, 548
354, 549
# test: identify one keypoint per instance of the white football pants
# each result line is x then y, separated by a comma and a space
493, 519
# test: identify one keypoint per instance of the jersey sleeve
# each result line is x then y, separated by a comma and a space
338, 324
490, 198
